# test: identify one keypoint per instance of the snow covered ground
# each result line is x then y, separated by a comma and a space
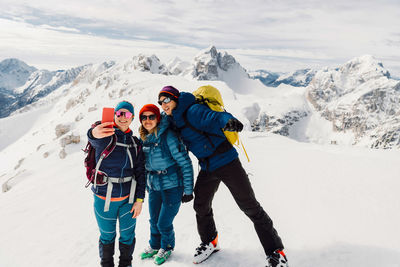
332, 205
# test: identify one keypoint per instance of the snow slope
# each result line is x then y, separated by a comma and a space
332, 205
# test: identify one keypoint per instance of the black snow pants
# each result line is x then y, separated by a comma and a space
235, 178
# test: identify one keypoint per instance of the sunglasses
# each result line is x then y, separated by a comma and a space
126, 114
151, 117
165, 100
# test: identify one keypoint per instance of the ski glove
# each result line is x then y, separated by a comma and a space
233, 125
187, 198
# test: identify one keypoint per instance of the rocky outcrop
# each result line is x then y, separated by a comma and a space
62, 129
210, 64
278, 125
70, 139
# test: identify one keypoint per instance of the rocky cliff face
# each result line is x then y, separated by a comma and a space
278, 125
211, 65
359, 97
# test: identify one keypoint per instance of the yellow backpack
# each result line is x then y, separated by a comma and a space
210, 96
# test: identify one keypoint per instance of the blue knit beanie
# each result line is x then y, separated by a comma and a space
125, 105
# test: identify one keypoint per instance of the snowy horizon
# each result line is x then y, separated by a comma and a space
276, 36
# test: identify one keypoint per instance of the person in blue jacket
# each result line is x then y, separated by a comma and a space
201, 130
169, 180
121, 195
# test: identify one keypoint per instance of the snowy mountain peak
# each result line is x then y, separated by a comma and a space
10, 64
210, 64
366, 66
359, 97
348, 77
14, 73
143, 62
212, 50
177, 66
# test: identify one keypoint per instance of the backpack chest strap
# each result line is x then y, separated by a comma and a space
124, 145
120, 180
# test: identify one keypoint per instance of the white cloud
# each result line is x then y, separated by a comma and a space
61, 28
46, 47
301, 32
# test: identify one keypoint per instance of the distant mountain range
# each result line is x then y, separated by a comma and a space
358, 98
21, 85
298, 78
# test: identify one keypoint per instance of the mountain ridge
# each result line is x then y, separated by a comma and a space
358, 99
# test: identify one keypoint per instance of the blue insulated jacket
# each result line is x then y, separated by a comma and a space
165, 151
117, 164
204, 119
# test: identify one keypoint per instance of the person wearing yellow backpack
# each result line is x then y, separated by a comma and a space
201, 129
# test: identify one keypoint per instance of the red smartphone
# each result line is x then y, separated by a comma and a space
108, 116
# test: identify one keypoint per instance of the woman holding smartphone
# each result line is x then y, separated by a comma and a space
120, 196
169, 180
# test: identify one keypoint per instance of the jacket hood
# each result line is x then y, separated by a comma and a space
185, 100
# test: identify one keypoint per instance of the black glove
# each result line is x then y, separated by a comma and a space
233, 125
187, 198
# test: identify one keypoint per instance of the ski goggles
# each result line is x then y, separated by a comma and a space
151, 117
126, 114
165, 100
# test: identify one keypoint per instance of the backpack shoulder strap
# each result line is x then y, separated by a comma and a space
110, 147
104, 154
136, 144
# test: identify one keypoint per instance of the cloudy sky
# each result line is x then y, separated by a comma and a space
266, 34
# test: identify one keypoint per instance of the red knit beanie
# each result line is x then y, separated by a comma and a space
151, 108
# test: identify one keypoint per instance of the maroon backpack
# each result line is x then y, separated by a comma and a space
90, 160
